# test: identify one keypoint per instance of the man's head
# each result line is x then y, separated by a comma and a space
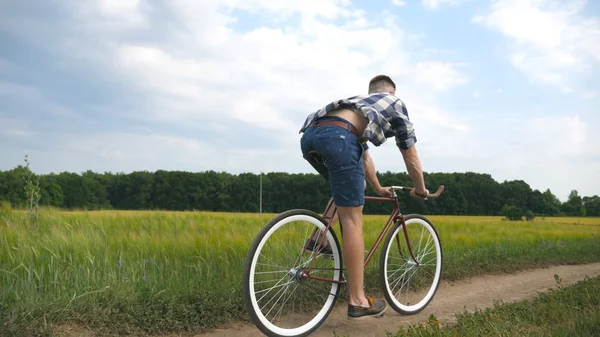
382, 83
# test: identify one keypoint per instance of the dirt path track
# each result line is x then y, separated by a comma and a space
452, 298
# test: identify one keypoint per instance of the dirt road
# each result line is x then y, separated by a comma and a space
451, 298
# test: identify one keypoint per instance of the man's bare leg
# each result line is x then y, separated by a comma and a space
334, 218
353, 251
322, 240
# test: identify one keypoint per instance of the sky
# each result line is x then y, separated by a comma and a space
509, 88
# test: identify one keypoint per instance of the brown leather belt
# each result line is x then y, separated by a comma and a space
337, 123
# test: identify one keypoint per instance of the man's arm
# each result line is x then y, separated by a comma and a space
371, 176
413, 166
405, 140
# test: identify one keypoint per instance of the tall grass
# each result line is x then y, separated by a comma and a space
152, 272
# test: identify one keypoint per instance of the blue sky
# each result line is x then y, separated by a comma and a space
505, 87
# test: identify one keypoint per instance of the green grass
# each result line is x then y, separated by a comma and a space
570, 311
155, 272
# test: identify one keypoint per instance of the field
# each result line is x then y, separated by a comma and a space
153, 272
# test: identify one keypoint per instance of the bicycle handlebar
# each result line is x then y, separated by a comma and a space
430, 195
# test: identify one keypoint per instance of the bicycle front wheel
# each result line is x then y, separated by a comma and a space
408, 283
280, 297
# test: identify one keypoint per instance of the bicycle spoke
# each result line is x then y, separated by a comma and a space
266, 281
399, 278
273, 262
282, 291
311, 289
276, 286
278, 314
269, 265
407, 282
270, 272
284, 250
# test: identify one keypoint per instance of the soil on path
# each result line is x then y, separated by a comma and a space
451, 298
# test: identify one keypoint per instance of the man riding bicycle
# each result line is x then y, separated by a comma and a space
334, 143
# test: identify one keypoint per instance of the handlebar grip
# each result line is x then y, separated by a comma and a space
437, 193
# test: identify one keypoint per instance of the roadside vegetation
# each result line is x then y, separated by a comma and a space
568, 311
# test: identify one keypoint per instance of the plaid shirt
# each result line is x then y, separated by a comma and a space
387, 117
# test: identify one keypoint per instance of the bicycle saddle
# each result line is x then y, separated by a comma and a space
316, 157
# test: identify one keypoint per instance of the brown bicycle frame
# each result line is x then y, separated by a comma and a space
328, 215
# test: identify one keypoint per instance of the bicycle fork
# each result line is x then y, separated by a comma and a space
412, 255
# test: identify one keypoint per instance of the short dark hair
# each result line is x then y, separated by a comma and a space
380, 81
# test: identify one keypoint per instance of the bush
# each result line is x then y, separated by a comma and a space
512, 212
529, 215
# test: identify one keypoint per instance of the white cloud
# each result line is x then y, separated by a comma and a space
553, 151
440, 76
399, 3
566, 135
554, 42
119, 8
110, 15
437, 123
271, 77
436, 4
329, 9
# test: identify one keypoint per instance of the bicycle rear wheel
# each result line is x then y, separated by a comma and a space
279, 297
409, 285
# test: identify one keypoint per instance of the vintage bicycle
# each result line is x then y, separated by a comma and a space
290, 288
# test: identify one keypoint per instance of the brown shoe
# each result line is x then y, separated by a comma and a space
375, 309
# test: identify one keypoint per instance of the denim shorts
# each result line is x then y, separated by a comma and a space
341, 163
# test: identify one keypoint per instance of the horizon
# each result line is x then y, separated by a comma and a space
195, 86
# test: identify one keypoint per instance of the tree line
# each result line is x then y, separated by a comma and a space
465, 193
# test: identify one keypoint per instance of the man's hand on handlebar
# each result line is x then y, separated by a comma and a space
419, 194
385, 192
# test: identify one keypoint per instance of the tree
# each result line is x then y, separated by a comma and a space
592, 205
516, 192
52, 193
551, 204
12, 186
131, 191
574, 204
